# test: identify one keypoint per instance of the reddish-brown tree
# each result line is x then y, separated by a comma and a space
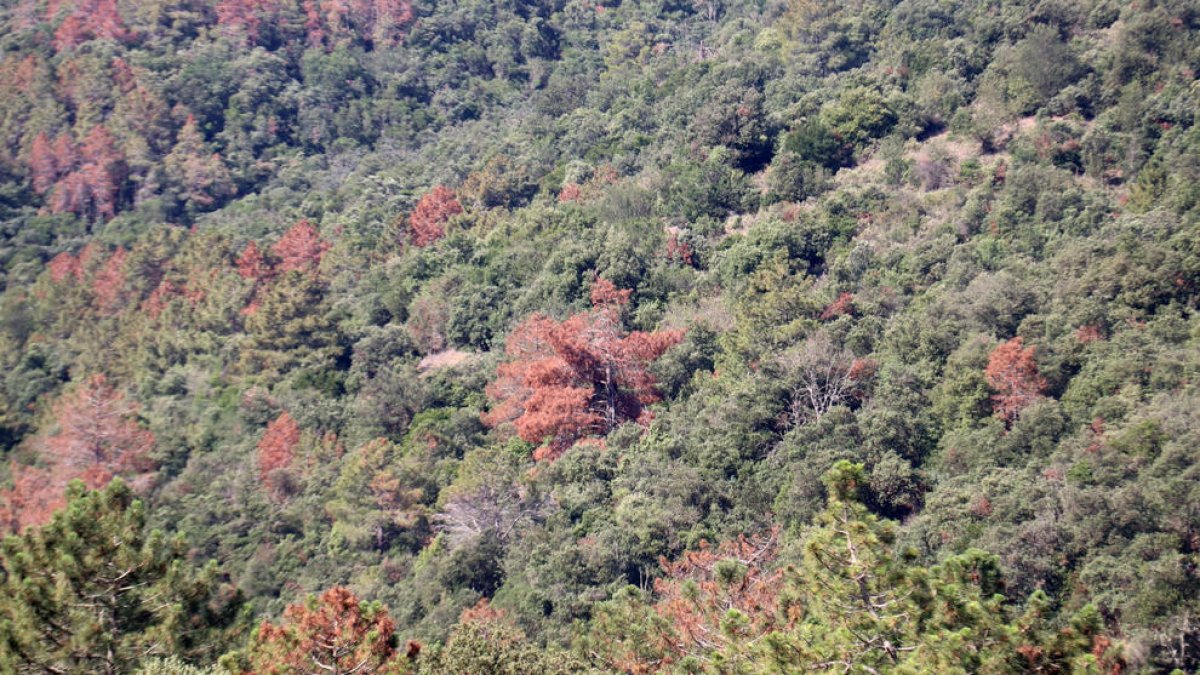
679, 251
300, 248
103, 170
690, 615
1012, 372
579, 377
43, 165
251, 264
97, 438
199, 172
701, 587
570, 192
844, 304
378, 21
1089, 333
90, 176
276, 450
64, 266
108, 284
66, 153
335, 633
86, 20
427, 223
246, 15
31, 500
159, 298
69, 192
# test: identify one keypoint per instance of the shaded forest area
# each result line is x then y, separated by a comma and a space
625, 336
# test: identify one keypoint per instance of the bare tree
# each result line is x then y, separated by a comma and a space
710, 8
820, 376
498, 508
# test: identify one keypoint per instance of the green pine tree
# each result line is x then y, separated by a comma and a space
93, 592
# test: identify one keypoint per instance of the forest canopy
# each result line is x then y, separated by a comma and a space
621, 336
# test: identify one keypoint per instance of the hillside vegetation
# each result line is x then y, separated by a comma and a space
622, 336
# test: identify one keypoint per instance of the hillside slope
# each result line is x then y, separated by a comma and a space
589, 335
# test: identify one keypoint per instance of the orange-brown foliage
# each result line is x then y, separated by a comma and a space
844, 304
277, 450
108, 284
696, 595
570, 192
85, 20
64, 266
89, 177
300, 248
43, 164
97, 438
1012, 372
427, 223
377, 21
335, 633
246, 15
679, 251
251, 264
579, 377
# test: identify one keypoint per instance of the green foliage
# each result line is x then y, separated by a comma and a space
94, 592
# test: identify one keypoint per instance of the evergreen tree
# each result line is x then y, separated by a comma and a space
93, 592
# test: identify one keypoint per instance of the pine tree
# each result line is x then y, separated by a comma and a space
335, 634
289, 326
43, 165
1012, 372
200, 174
583, 376
97, 438
486, 642
300, 248
276, 450
427, 223
864, 608
92, 592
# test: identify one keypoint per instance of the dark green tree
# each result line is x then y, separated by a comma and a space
93, 592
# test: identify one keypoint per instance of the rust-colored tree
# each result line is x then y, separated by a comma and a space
679, 251
97, 438
246, 16
701, 588
841, 306
108, 283
103, 170
85, 20
427, 223
64, 266
570, 192
1012, 372
335, 633
709, 601
276, 450
576, 378
379, 22
30, 501
89, 177
43, 164
252, 264
98, 435
300, 248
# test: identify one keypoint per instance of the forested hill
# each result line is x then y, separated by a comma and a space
616, 336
